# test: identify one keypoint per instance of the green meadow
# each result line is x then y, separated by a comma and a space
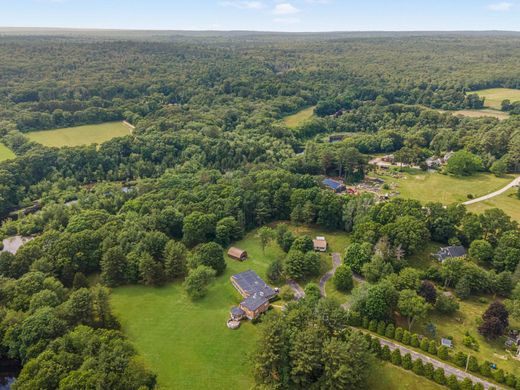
298, 118
6, 153
495, 96
436, 187
507, 201
80, 135
187, 343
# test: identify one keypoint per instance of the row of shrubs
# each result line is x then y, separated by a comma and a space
418, 367
430, 346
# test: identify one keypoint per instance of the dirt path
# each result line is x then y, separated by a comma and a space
448, 369
298, 290
514, 183
336, 262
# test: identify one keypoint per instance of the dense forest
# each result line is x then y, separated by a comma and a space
210, 159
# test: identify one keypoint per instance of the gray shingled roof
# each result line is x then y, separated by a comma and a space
236, 311
254, 301
252, 284
450, 252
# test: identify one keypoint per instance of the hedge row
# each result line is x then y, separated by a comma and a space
431, 347
419, 368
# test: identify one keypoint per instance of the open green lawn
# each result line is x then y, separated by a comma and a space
80, 135
466, 320
436, 187
500, 115
506, 201
6, 153
187, 343
494, 96
389, 377
299, 117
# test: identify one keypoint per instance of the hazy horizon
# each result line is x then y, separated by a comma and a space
265, 15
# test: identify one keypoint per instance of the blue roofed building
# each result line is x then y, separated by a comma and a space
334, 185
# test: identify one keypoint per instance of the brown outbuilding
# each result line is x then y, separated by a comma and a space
237, 254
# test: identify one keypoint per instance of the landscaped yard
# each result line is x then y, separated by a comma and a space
6, 153
507, 201
187, 343
80, 135
436, 187
495, 96
386, 376
299, 117
466, 320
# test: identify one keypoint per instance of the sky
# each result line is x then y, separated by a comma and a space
265, 15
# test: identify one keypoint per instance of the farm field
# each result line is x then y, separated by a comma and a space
187, 343
435, 187
500, 115
389, 377
495, 96
299, 117
6, 153
507, 201
80, 135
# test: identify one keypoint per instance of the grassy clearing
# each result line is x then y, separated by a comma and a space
508, 202
466, 319
435, 187
187, 343
80, 135
298, 118
495, 96
389, 377
6, 153
500, 115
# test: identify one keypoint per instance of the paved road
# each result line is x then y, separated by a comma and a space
515, 182
298, 290
336, 262
448, 369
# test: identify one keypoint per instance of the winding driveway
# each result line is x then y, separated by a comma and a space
515, 182
336, 262
448, 369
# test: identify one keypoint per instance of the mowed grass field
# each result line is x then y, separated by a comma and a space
389, 377
298, 118
436, 187
6, 153
187, 343
495, 96
80, 135
500, 115
507, 201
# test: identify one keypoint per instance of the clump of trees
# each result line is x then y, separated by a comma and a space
310, 344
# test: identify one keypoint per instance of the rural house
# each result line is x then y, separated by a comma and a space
256, 293
334, 185
237, 254
449, 252
320, 244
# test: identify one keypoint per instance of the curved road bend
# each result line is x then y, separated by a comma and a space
336, 262
514, 183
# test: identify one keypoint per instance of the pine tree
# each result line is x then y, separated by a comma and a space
390, 331
439, 377
396, 357
113, 267
407, 362
418, 367
175, 253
